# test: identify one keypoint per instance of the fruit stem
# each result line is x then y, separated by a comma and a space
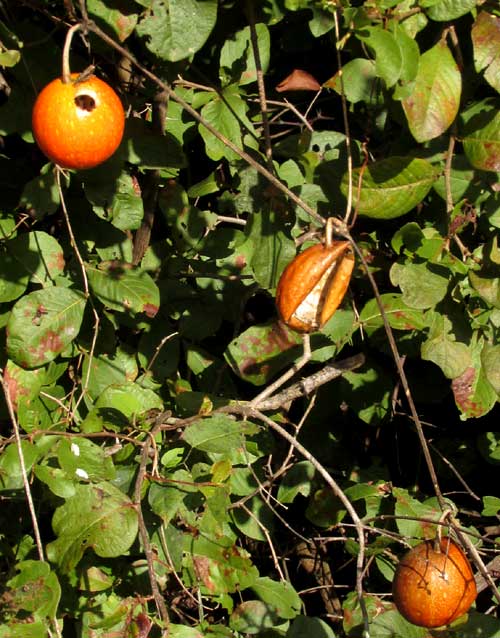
329, 232
66, 71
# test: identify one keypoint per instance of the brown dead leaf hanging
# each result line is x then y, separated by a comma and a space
298, 80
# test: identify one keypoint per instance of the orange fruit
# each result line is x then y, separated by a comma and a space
78, 124
313, 285
434, 585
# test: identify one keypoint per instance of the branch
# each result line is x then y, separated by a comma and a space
307, 386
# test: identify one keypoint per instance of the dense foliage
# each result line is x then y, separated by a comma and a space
144, 489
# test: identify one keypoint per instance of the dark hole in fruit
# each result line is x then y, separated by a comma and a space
85, 102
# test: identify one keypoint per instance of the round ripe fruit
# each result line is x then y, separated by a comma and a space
78, 124
433, 588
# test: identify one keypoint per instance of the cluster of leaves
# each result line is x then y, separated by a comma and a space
118, 360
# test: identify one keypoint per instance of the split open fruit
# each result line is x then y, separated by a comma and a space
313, 285
434, 584
78, 124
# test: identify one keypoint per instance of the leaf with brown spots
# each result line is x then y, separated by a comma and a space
218, 566
486, 40
474, 394
39, 254
260, 352
98, 516
125, 289
42, 324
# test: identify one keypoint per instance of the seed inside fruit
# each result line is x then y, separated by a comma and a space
309, 310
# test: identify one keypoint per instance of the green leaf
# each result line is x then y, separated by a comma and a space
40, 254
40, 195
10, 57
445, 10
42, 324
167, 499
215, 434
423, 285
433, 103
410, 54
280, 597
390, 187
22, 385
56, 480
490, 357
487, 287
474, 394
481, 134
13, 276
451, 356
400, 315
412, 516
237, 59
109, 369
254, 518
390, 623
307, 626
122, 22
297, 480
388, 57
147, 149
260, 352
358, 80
83, 459
35, 589
367, 392
123, 288
217, 566
130, 399
98, 517
226, 112
489, 446
491, 506
486, 40
11, 475
176, 29
253, 617
273, 248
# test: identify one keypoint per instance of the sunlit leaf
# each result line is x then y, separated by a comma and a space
481, 134
42, 324
422, 285
123, 288
98, 517
444, 10
261, 351
237, 59
433, 103
390, 187
486, 40
388, 57
175, 29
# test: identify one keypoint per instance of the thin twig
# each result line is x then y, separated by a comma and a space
22, 465
143, 532
86, 289
260, 84
345, 118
